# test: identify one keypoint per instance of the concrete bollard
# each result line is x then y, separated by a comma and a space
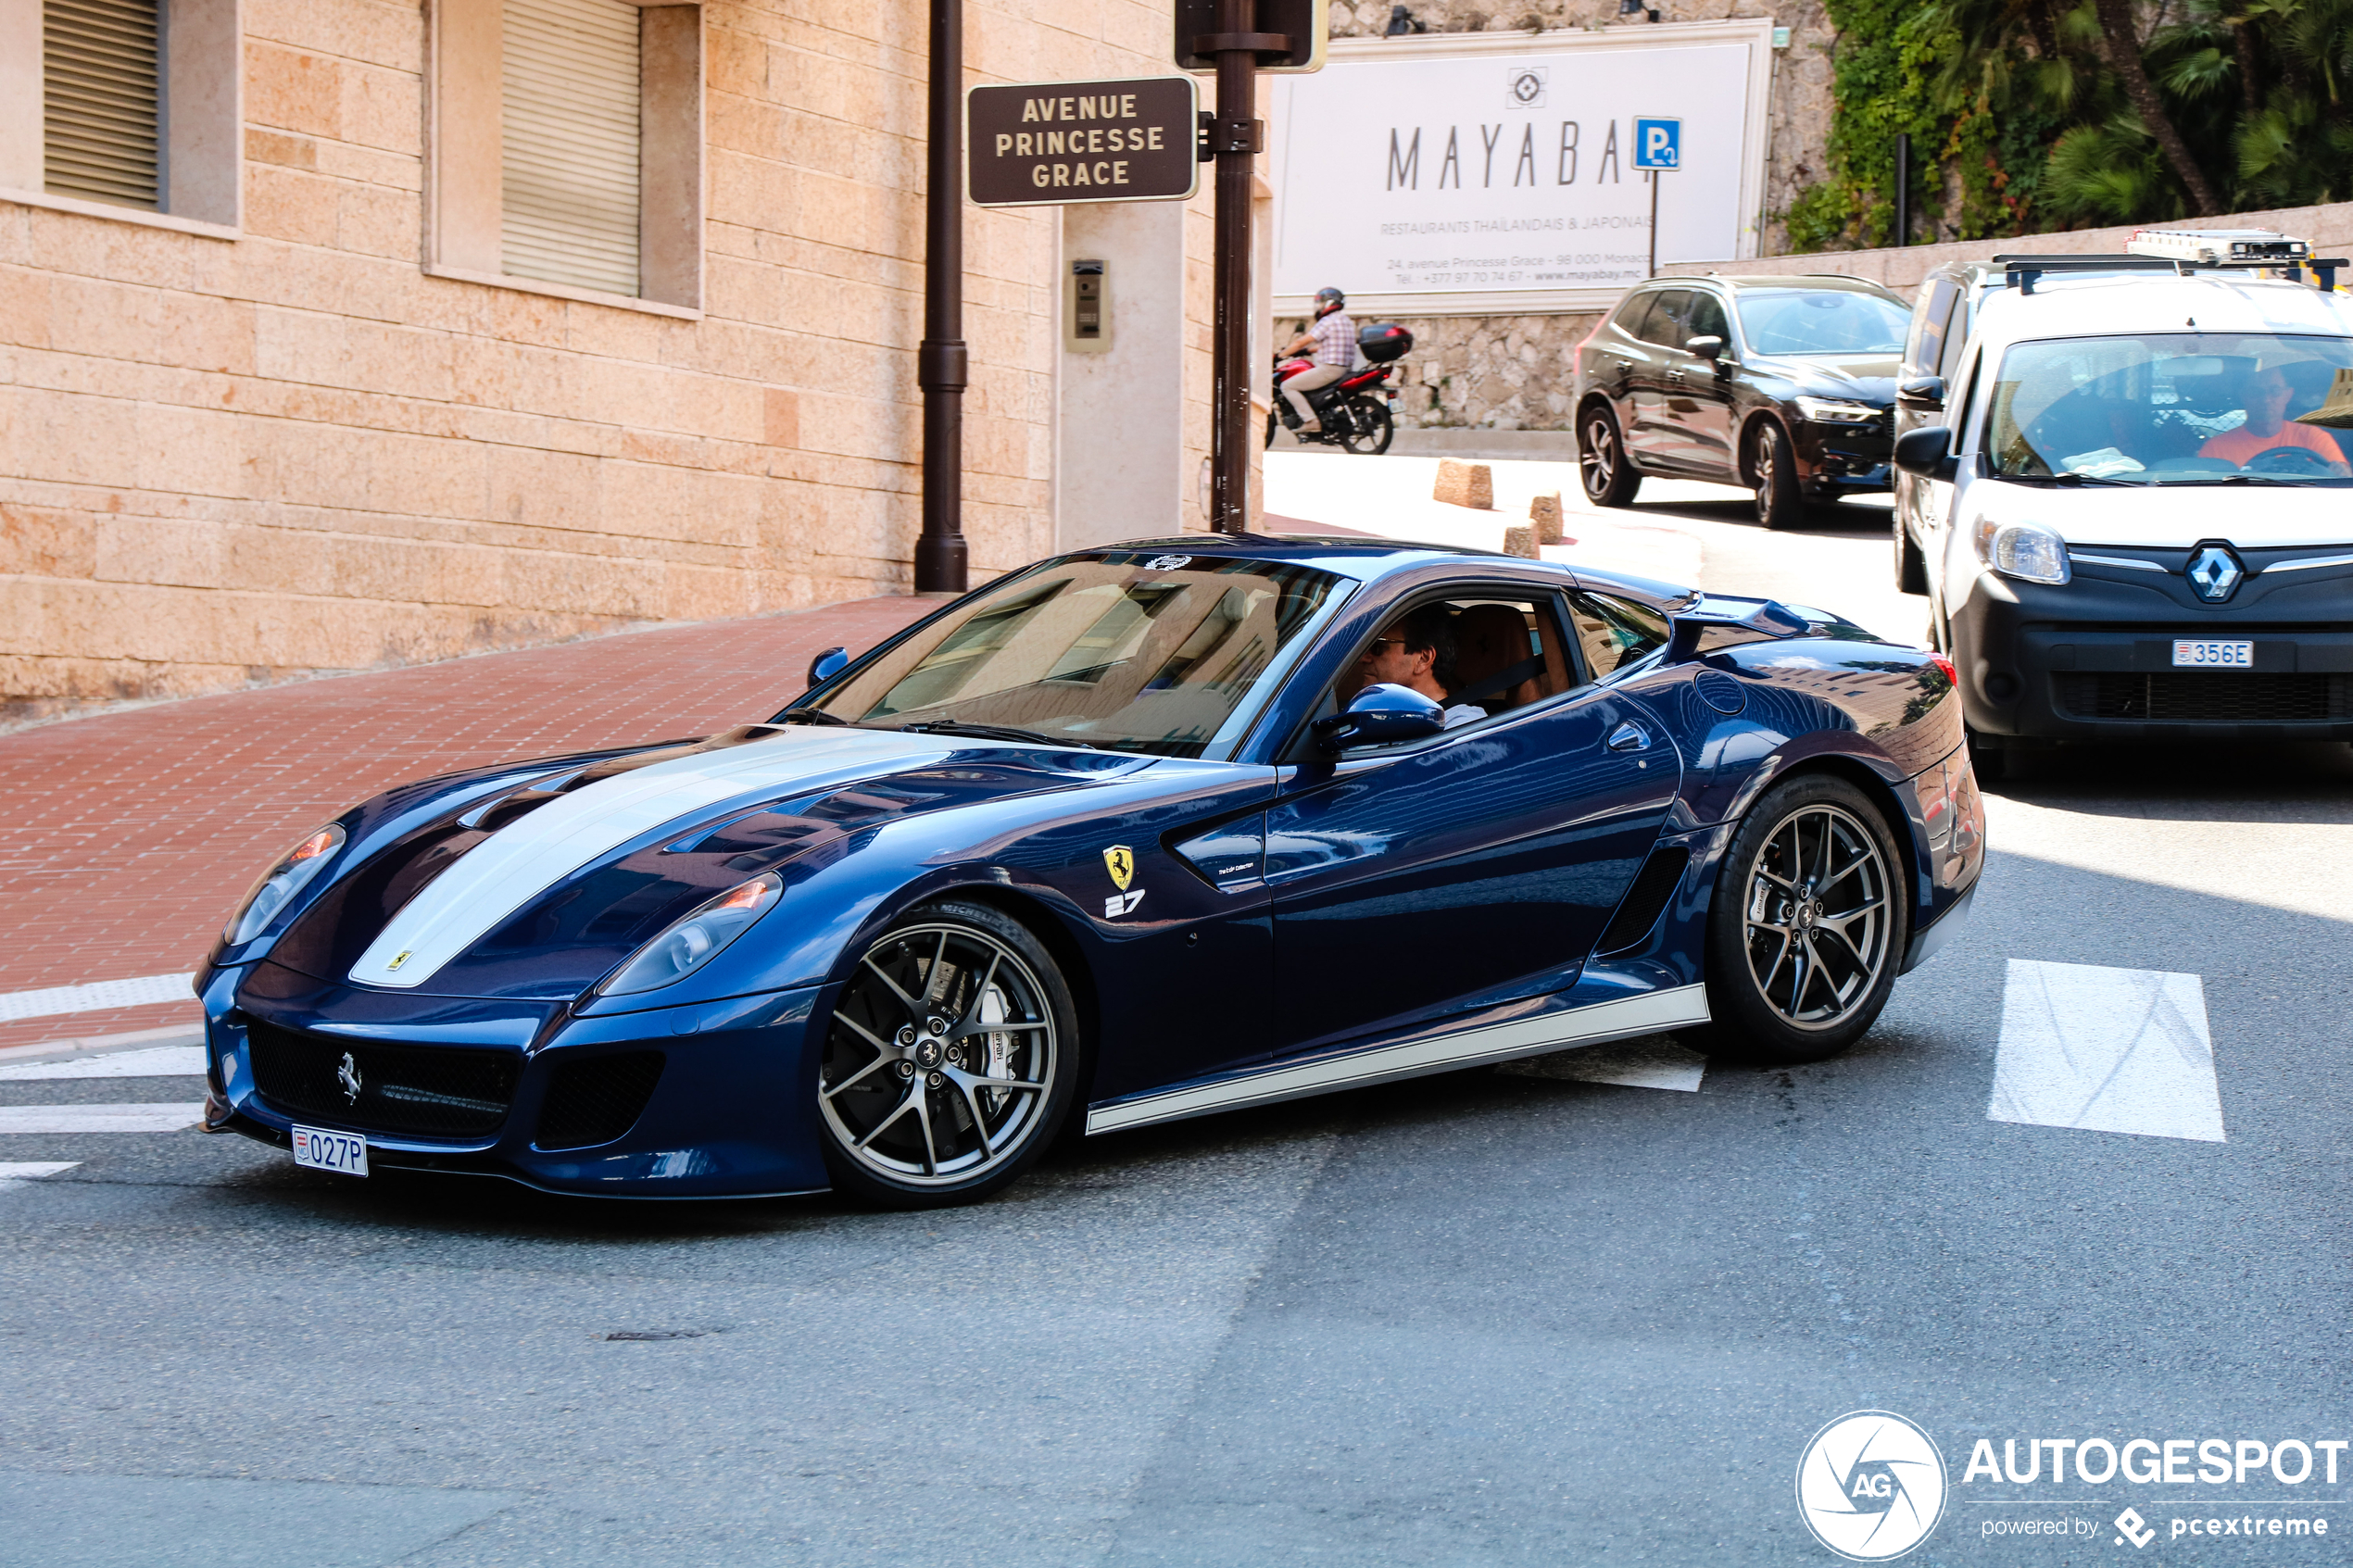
1465, 484
1545, 513
1521, 542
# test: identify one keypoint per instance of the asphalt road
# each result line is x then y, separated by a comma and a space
1495, 1317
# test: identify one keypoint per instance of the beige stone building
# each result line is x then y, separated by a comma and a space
343, 333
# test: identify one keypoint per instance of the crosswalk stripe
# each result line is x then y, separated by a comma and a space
1649, 1063
15, 1172
99, 1118
157, 1062
2106, 1050
97, 997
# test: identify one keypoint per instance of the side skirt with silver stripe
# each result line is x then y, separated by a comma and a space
1592, 1026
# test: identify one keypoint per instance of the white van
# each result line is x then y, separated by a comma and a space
2148, 533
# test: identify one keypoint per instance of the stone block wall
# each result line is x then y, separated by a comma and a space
289, 451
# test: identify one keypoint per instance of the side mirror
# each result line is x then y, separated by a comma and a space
1379, 715
1923, 452
828, 665
1708, 347
1922, 393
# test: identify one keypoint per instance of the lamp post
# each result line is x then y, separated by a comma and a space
942, 362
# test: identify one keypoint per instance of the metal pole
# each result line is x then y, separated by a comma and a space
1232, 373
1903, 188
1654, 179
941, 363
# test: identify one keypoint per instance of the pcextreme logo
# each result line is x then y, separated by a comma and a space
1871, 1485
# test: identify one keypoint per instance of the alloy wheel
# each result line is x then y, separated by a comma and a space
1597, 457
940, 1058
1816, 919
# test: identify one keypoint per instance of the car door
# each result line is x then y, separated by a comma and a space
1699, 394
1649, 435
1464, 869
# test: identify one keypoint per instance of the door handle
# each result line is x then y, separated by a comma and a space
1628, 736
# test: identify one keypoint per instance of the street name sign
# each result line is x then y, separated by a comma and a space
1048, 143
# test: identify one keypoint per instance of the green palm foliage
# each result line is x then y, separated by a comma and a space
2021, 119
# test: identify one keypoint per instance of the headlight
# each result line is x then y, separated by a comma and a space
1836, 411
280, 883
2024, 550
696, 940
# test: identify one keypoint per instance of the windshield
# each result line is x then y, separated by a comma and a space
2175, 409
1168, 654
1821, 322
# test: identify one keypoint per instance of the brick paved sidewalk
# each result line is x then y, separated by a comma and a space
128, 836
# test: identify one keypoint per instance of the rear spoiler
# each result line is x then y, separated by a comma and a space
1769, 616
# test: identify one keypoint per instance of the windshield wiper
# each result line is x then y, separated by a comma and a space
2069, 479
809, 716
992, 732
2253, 478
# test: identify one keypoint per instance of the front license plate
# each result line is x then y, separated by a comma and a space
2213, 653
343, 1153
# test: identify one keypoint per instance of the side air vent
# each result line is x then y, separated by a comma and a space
598, 1101
1639, 911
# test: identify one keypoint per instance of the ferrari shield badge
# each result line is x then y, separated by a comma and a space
1120, 862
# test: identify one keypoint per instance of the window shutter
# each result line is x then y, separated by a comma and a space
569, 190
99, 105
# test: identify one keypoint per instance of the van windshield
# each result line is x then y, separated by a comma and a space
2176, 409
1139, 651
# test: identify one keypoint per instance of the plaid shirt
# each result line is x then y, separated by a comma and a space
1335, 340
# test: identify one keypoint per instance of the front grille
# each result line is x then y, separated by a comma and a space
596, 1101
428, 1091
2206, 697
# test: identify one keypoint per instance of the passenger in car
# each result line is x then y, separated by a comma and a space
1417, 651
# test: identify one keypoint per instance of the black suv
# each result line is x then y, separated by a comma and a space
1782, 384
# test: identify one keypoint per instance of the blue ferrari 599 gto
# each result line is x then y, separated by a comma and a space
1136, 834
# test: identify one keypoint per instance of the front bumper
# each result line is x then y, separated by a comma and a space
2092, 661
724, 1117
1839, 459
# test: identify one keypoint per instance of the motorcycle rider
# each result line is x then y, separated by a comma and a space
1332, 340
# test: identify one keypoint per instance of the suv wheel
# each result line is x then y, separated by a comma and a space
1911, 566
1780, 503
1610, 480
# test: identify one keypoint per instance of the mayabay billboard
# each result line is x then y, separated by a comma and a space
1472, 174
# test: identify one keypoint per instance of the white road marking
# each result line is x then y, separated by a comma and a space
99, 1118
1639, 1064
2106, 1050
97, 997
156, 1062
14, 1172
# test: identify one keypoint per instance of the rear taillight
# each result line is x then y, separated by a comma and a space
1952, 675
1577, 354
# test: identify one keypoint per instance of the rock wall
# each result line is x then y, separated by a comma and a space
1513, 372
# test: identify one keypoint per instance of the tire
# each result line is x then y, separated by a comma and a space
903, 1121
1780, 503
1911, 567
1374, 428
1270, 427
1992, 763
1791, 978
1601, 463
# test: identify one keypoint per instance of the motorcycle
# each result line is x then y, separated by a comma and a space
1357, 409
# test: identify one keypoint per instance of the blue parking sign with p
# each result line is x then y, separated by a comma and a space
1659, 143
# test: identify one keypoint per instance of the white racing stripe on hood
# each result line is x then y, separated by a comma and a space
541, 847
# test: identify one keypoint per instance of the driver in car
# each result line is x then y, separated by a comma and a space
1417, 652
2268, 426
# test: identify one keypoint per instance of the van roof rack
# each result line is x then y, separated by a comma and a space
2023, 272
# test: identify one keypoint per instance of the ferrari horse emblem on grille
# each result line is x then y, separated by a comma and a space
348, 1076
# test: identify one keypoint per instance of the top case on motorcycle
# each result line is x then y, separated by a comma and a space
1384, 342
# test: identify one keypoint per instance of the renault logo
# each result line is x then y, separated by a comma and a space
348, 1076
2214, 571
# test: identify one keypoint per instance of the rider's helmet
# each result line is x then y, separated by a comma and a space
1327, 301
